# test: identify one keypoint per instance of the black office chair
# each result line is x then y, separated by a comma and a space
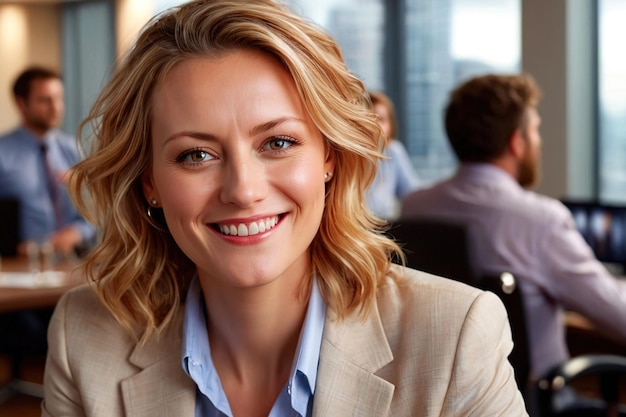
505, 287
608, 372
9, 226
437, 247
22, 336
444, 249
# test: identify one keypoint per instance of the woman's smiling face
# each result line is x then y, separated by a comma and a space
238, 168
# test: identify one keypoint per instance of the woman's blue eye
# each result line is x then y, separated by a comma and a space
279, 144
194, 156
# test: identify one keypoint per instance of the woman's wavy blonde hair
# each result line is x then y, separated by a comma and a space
137, 269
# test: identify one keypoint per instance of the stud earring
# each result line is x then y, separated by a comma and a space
328, 175
155, 222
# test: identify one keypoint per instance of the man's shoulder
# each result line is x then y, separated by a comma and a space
415, 200
64, 135
9, 136
63, 138
533, 204
515, 201
67, 144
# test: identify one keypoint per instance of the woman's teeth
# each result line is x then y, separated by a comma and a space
248, 229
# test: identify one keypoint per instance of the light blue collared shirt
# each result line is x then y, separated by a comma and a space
23, 176
294, 400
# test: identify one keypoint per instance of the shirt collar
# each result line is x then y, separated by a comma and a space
196, 351
47, 138
308, 352
486, 172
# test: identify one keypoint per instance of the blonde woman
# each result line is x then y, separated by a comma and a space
239, 273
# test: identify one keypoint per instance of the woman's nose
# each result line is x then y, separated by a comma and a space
244, 181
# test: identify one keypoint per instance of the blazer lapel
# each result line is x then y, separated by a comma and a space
351, 352
161, 387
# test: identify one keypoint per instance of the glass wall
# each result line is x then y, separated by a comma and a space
358, 26
448, 41
87, 27
612, 100
438, 44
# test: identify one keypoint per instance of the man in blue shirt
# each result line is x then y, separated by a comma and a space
34, 161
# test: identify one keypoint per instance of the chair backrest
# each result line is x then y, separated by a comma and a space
9, 226
436, 246
505, 286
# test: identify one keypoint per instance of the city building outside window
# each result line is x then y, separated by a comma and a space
612, 101
439, 44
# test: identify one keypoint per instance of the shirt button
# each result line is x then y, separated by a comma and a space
289, 389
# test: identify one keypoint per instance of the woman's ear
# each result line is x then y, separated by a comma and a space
329, 163
149, 191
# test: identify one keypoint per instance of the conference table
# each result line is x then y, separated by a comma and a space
42, 292
23, 289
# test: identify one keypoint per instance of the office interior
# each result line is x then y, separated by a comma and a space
558, 46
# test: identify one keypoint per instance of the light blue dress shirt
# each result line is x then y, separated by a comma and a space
23, 176
534, 237
295, 399
395, 178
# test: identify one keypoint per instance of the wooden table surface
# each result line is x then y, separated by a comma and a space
584, 338
17, 299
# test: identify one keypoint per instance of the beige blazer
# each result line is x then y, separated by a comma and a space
430, 347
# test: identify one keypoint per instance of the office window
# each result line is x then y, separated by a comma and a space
87, 27
448, 41
161, 5
358, 27
431, 47
612, 101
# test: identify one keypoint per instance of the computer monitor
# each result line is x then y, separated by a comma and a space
604, 228
9, 226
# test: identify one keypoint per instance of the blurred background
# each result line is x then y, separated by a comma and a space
414, 50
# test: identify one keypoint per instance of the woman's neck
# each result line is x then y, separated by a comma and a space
253, 334
260, 324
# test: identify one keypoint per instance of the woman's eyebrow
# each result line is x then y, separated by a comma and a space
264, 127
191, 134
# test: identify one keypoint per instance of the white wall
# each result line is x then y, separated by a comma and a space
29, 34
558, 50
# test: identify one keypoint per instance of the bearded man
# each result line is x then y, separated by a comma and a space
492, 124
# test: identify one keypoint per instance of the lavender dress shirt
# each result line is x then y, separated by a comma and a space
534, 237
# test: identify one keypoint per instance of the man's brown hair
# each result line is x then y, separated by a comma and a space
483, 113
23, 83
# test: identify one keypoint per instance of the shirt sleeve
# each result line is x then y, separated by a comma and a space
580, 282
